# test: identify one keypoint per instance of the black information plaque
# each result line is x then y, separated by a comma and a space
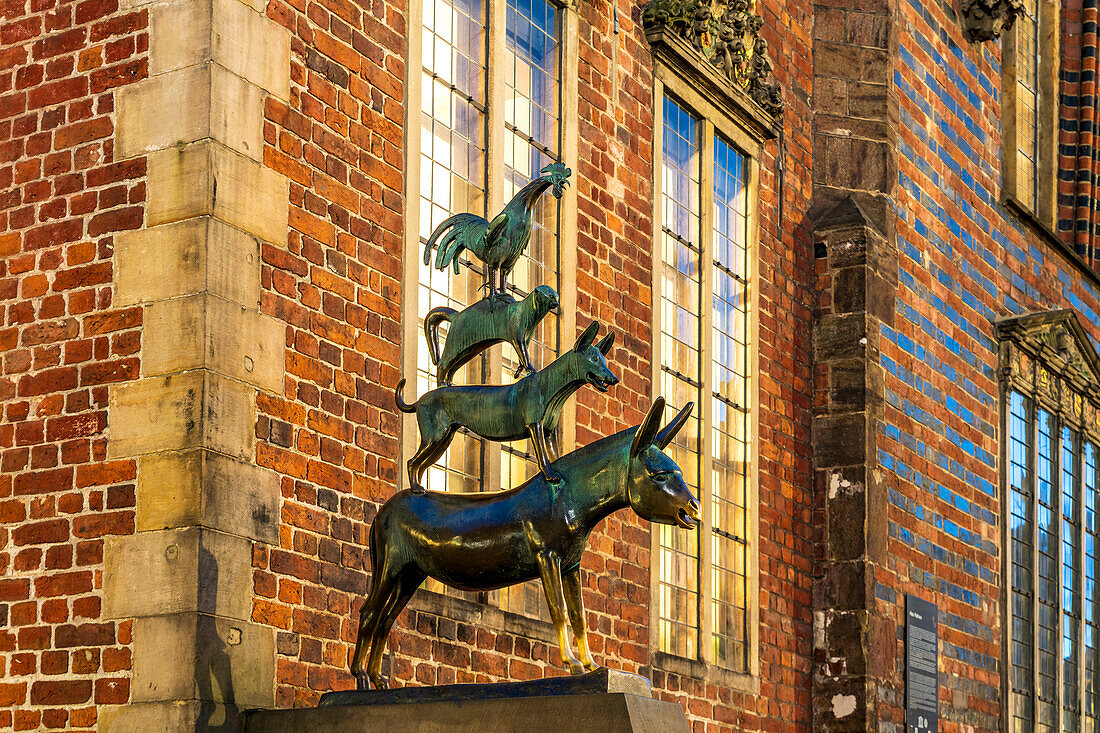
922, 712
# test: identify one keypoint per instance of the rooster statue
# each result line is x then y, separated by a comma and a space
500, 242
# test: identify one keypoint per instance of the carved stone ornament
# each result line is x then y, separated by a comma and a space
727, 34
1050, 355
984, 20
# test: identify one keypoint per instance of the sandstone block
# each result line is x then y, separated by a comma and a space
196, 409
181, 489
177, 571
190, 256
189, 656
204, 331
227, 32
208, 179
187, 105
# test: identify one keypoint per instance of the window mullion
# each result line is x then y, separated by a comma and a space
1082, 539
494, 182
1057, 500
1033, 480
706, 437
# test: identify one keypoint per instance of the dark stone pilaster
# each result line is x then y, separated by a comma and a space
854, 646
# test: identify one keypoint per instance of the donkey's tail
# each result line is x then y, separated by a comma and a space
400, 402
431, 328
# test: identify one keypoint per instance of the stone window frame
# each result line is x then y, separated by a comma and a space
1049, 360
1044, 210
464, 607
722, 109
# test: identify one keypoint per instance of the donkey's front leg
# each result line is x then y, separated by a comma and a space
573, 602
550, 568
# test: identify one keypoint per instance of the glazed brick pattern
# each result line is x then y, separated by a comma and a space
964, 261
62, 343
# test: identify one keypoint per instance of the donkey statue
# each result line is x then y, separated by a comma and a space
481, 542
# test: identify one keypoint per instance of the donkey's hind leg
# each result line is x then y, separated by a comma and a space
381, 589
407, 583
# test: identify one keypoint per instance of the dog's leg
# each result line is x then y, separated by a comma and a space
433, 444
552, 444
538, 440
571, 584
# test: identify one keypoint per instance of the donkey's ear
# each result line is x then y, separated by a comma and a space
669, 431
606, 343
587, 337
648, 429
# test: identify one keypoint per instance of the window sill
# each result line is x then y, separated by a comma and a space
696, 669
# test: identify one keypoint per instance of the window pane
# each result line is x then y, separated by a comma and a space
1047, 644
729, 416
1071, 590
1027, 100
1020, 479
1091, 620
680, 292
452, 180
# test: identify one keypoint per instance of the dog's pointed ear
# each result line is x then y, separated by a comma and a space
647, 431
669, 431
606, 343
587, 337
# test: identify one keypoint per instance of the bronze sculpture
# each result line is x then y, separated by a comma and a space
529, 408
478, 327
488, 541
500, 242
537, 530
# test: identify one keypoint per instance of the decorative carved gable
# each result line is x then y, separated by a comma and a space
1041, 351
725, 35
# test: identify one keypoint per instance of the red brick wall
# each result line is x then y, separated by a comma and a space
63, 342
332, 434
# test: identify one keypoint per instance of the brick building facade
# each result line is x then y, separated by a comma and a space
207, 303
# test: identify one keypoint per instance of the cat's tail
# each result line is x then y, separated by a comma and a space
431, 328
400, 402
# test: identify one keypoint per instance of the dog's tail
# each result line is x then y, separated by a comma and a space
400, 402
431, 328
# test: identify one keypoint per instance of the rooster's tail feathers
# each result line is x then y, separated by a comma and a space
457, 226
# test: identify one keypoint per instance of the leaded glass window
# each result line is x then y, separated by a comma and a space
471, 123
1052, 531
702, 288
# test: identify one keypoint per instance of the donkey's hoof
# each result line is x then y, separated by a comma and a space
378, 682
576, 667
361, 682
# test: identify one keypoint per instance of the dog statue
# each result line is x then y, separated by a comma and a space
483, 324
529, 408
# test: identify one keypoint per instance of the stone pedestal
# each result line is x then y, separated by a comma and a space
605, 701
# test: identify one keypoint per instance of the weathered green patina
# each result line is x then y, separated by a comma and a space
529, 408
483, 324
536, 530
500, 242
